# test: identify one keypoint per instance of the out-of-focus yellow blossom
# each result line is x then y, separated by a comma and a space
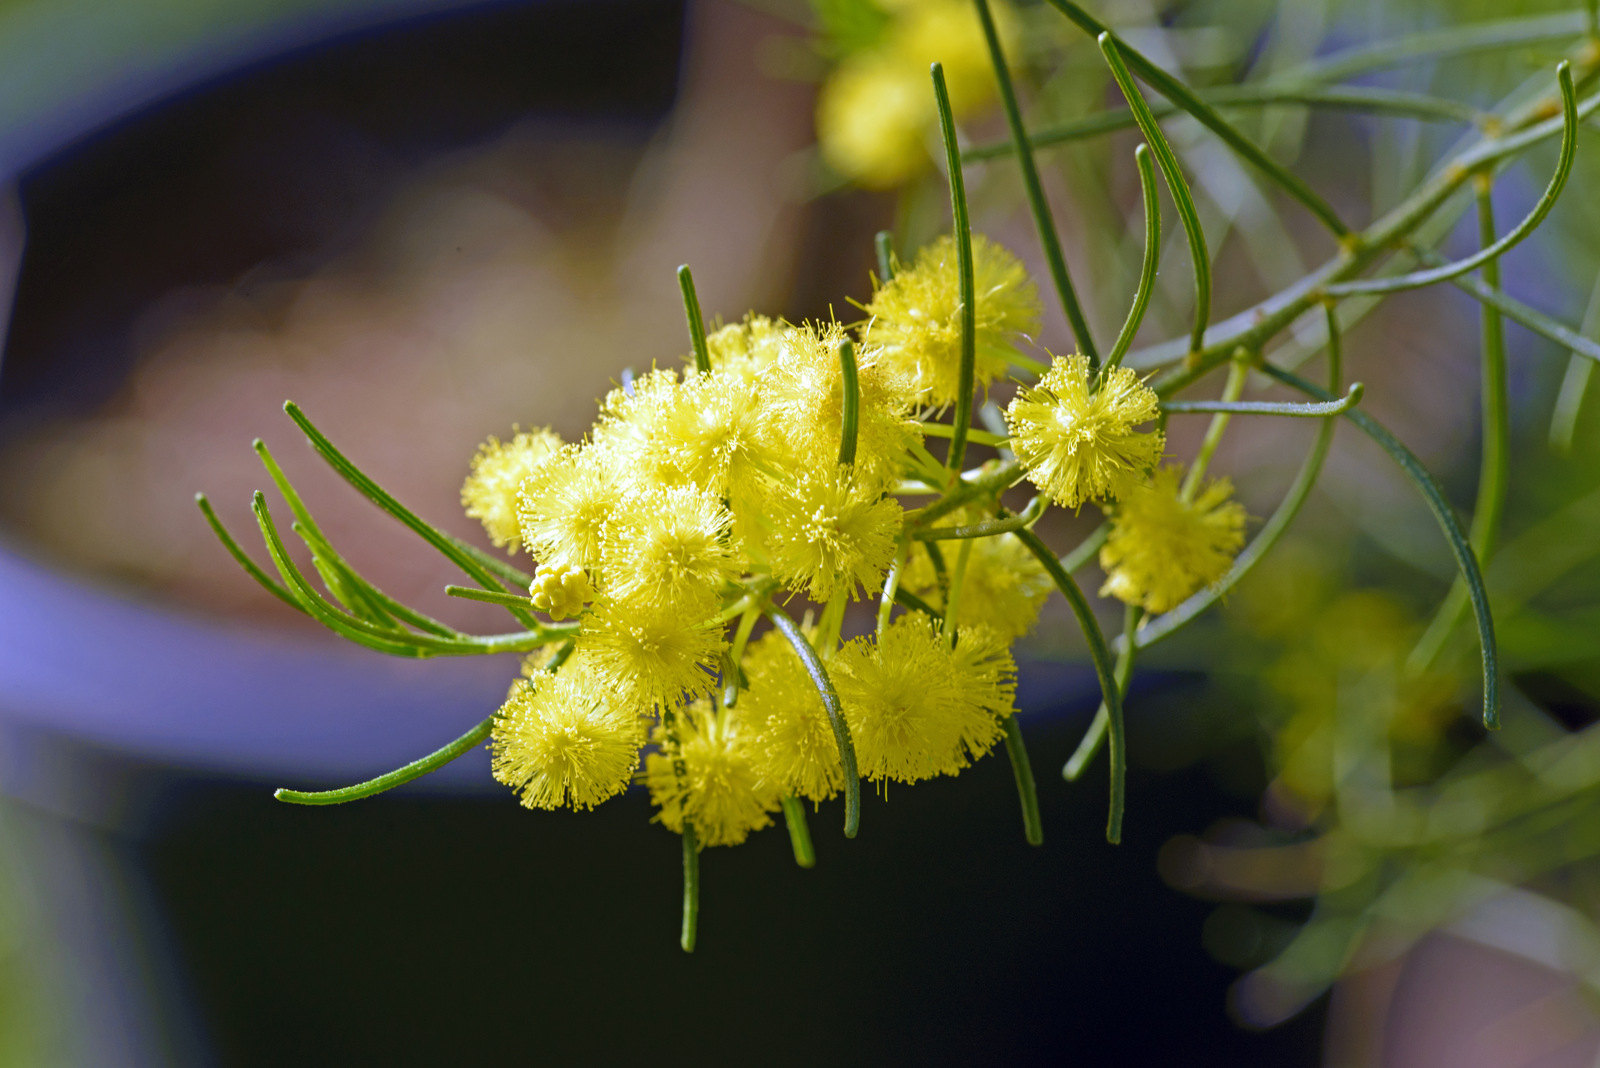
915, 707
559, 591
1004, 589
829, 536
562, 739
489, 494
705, 773
1078, 443
563, 506
876, 112
793, 742
744, 349
651, 652
916, 317
1163, 548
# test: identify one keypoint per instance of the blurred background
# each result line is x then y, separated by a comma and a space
427, 221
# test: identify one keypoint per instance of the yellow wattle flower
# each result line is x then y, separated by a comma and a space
1162, 548
1005, 585
916, 317
563, 506
489, 494
1077, 442
704, 773
652, 652
669, 546
829, 536
562, 740
559, 591
792, 741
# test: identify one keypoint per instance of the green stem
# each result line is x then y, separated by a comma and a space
1022, 771
1176, 185
794, 817
883, 243
1184, 97
399, 777
988, 528
891, 587
907, 599
830, 703
977, 437
1303, 411
1086, 548
1495, 465
1043, 222
1100, 655
958, 579
1219, 426
1433, 495
1558, 182
691, 888
697, 324
1364, 99
508, 600
997, 480
1090, 743
1569, 401
1152, 257
966, 378
852, 403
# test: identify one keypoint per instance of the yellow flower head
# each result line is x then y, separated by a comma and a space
718, 432
916, 316
1004, 589
793, 744
1163, 548
631, 431
490, 492
1078, 445
743, 350
563, 507
651, 652
829, 536
704, 773
561, 739
669, 546
917, 708
559, 591
806, 391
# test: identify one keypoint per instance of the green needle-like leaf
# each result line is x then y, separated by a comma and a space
1152, 257
1558, 182
1433, 494
399, 777
852, 402
691, 888
1104, 671
794, 817
1168, 162
830, 703
988, 528
1034, 190
1027, 791
1184, 97
243, 560
697, 324
1302, 411
966, 380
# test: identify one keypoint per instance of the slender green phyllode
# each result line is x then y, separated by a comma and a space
883, 244
1152, 257
967, 378
1027, 791
399, 777
1176, 185
697, 324
852, 402
691, 888
1038, 205
794, 817
830, 703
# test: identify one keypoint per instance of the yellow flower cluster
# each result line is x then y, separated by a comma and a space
875, 113
697, 495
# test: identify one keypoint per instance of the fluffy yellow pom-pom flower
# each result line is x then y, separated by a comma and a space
1163, 549
651, 652
559, 591
560, 739
1077, 445
805, 389
916, 316
830, 536
745, 349
873, 118
669, 546
563, 506
498, 470
793, 743
917, 708
718, 432
704, 773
